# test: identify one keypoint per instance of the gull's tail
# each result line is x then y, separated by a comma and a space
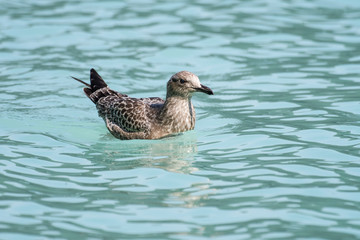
96, 83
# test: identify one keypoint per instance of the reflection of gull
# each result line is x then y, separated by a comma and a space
173, 154
146, 166
146, 118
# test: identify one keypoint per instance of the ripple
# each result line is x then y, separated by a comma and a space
275, 151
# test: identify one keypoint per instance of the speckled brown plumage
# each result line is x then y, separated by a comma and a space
146, 118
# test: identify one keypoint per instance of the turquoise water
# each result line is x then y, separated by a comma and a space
275, 153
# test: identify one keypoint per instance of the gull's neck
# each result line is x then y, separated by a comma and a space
178, 113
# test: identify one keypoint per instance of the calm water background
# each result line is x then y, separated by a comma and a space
276, 150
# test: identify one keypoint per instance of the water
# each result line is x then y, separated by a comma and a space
275, 152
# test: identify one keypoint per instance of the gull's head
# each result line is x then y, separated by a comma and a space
184, 84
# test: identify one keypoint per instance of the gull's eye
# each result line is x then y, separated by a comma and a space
182, 81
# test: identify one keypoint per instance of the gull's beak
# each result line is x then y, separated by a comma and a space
204, 89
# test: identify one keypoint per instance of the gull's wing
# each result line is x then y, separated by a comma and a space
130, 114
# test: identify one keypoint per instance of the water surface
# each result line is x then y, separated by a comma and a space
275, 152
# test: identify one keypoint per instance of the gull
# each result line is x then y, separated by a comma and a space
146, 118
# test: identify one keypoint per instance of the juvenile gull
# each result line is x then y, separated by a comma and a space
146, 118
